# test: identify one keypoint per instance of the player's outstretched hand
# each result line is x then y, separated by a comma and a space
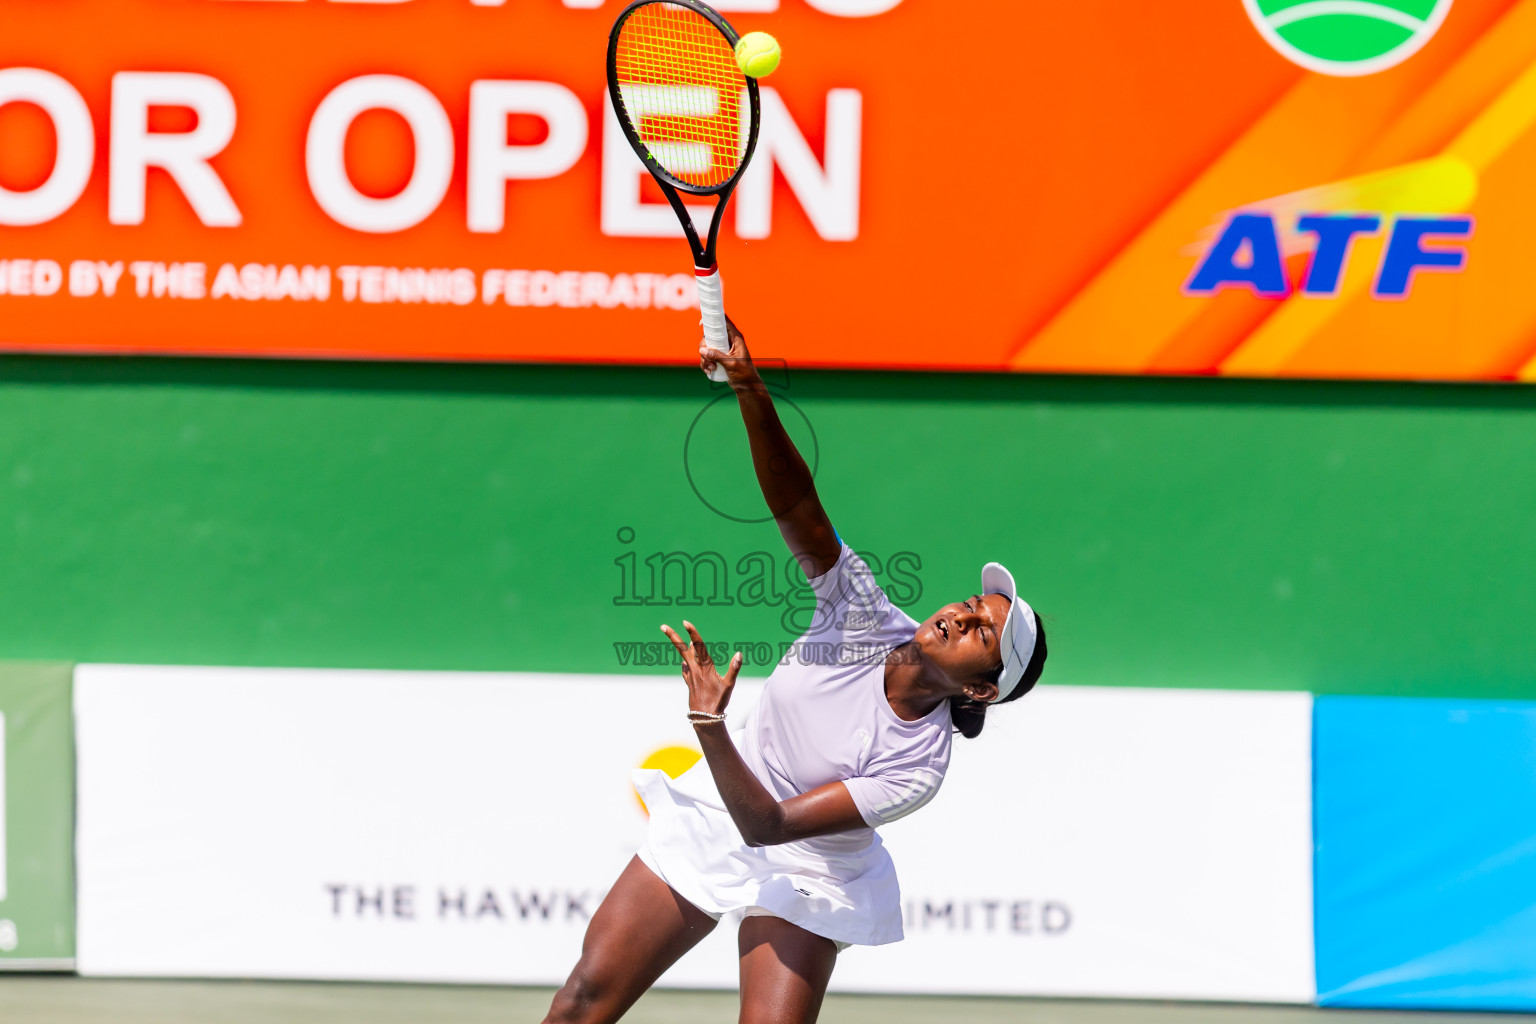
708, 691
739, 371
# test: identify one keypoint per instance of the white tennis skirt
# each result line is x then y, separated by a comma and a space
693, 845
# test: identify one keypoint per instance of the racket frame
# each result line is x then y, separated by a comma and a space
703, 251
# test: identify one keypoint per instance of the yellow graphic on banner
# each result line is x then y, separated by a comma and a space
672, 760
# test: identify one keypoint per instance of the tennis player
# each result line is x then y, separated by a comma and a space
777, 822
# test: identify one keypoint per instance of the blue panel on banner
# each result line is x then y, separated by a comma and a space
1426, 853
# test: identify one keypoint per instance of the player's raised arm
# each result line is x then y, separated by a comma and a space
782, 474
761, 818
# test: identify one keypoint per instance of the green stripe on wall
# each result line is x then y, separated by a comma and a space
1349, 538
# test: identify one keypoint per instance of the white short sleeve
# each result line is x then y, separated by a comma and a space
894, 794
851, 606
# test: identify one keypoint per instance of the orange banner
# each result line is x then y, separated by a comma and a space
1326, 188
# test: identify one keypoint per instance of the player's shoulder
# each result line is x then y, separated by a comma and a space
923, 745
852, 606
848, 578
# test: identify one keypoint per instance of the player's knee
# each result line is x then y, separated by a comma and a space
580, 1000
791, 1013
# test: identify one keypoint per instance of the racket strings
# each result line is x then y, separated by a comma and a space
681, 91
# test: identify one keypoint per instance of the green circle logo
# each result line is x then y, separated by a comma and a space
1347, 37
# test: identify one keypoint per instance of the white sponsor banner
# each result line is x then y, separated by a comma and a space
463, 827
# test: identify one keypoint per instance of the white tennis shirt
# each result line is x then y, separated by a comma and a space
823, 717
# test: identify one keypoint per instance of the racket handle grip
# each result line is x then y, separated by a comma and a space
712, 315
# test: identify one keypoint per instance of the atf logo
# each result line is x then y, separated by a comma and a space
1347, 37
1375, 231
1248, 255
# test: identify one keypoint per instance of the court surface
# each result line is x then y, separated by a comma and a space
35, 1000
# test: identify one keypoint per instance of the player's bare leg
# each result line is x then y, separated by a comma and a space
641, 929
784, 971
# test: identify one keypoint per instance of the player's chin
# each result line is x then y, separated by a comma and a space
924, 641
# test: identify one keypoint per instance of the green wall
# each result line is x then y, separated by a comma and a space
37, 905
1357, 538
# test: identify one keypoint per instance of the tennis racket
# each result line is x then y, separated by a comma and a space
679, 97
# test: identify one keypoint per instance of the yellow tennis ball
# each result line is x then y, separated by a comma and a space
757, 54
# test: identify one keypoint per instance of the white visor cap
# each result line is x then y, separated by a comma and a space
1019, 635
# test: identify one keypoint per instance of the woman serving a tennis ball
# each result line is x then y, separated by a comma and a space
778, 821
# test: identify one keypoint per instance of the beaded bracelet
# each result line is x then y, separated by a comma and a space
703, 717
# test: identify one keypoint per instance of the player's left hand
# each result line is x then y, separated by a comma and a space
708, 691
